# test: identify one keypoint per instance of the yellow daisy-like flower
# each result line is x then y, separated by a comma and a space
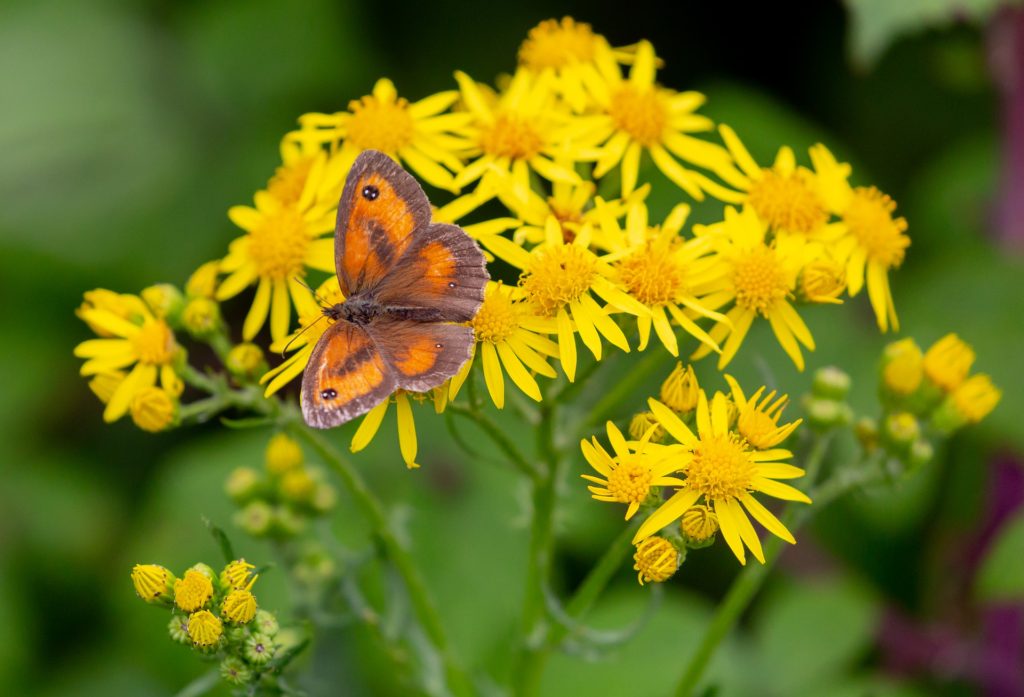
510, 339
558, 279
568, 50
786, 197
205, 628
407, 441
637, 115
664, 273
975, 398
282, 240
238, 575
520, 131
239, 606
133, 337
630, 475
760, 280
948, 361
722, 471
874, 242
193, 591
423, 135
312, 324
902, 367
757, 419
152, 582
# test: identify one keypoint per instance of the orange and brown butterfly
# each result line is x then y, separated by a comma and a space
407, 282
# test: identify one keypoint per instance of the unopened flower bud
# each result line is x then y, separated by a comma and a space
324, 498
165, 301
153, 583
698, 525
680, 390
948, 361
283, 454
193, 590
823, 414
238, 575
239, 606
641, 423
205, 628
921, 453
866, 431
831, 383
243, 484
297, 486
900, 430
266, 623
256, 518
656, 559
246, 361
201, 317
178, 628
259, 649
234, 670
153, 409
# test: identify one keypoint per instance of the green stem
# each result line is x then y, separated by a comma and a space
423, 605
201, 382
526, 669
495, 433
747, 583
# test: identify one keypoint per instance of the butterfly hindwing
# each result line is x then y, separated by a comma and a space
381, 208
346, 376
421, 355
441, 277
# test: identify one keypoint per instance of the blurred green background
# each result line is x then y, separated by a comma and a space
127, 128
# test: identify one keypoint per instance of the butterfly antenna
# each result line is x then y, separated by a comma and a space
303, 331
320, 301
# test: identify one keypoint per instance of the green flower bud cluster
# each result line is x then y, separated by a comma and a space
279, 501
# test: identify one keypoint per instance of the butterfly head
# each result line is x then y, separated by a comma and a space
358, 309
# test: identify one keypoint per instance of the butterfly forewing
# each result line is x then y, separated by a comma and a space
346, 376
381, 209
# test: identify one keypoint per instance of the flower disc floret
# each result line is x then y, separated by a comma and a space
193, 591
154, 343
378, 124
556, 44
630, 483
557, 276
869, 219
652, 275
642, 114
721, 467
512, 137
787, 202
279, 245
760, 280
497, 319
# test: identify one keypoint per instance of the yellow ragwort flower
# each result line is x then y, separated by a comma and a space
757, 418
134, 337
637, 115
283, 454
975, 398
760, 280
238, 575
656, 559
680, 391
520, 131
786, 197
948, 361
558, 279
510, 338
903, 367
568, 50
153, 409
666, 274
632, 473
193, 590
282, 240
152, 582
204, 628
873, 242
722, 471
698, 524
239, 606
425, 136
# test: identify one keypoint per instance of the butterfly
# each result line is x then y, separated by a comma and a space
406, 282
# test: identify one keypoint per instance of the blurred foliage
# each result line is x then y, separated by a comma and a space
128, 128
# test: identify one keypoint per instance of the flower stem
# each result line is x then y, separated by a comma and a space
626, 385
503, 442
529, 662
747, 583
423, 605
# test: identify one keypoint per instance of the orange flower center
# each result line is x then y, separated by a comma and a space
278, 246
759, 279
380, 125
787, 202
721, 468
512, 136
641, 114
554, 44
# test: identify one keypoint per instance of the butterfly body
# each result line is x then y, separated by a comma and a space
406, 282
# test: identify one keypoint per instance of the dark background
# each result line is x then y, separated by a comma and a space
128, 128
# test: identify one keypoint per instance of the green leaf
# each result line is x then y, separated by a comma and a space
875, 24
222, 541
1002, 573
808, 634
